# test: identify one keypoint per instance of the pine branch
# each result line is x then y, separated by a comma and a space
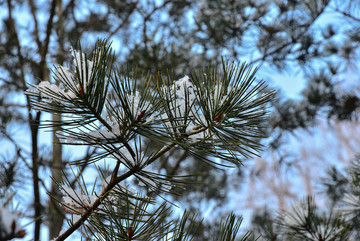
93, 207
114, 181
217, 114
121, 140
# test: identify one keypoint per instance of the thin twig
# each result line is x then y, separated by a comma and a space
293, 40
36, 25
348, 15
48, 31
7, 105
125, 21
87, 156
177, 164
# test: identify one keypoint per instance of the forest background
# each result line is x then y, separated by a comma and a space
307, 48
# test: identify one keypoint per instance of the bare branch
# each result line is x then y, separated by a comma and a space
36, 25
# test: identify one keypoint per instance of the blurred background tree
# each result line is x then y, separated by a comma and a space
315, 42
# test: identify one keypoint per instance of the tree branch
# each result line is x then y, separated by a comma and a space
36, 25
97, 202
113, 182
293, 40
125, 21
346, 14
33, 122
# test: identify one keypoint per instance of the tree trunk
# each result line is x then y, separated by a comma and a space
56, 216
